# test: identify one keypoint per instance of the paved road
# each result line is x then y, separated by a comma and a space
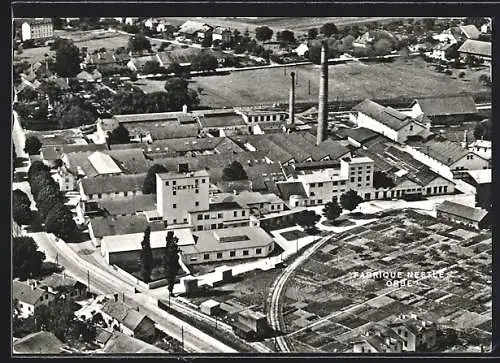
103, 282
18, 136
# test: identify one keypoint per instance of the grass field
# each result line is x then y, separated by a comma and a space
351, 81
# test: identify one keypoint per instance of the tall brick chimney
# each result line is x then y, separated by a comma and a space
323, 95
291, 116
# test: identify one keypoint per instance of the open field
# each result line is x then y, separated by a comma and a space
351, 81
329, 306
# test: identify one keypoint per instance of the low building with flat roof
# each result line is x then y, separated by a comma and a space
227, 244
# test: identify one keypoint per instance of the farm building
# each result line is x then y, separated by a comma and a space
459, 213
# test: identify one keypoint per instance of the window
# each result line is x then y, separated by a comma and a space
206, 256
352, 179
313, 185
270, 247
320, 184
193, 259
185, 220
335, 183
99, 196
197, 191
243, 213
174, 206
175, 221
258, 251
320, 201
220, 215
342, 182
166, 183
203, 181
219, 254
411, 127
207, 216
445, 188
213, 226
367, 177
334, 191
406, 334
196, 204
312, 194
272, 206
196, 181
359, 178
220, 225
232, 253
200, 217
174, 183
199, 228
235, 213
125, 193
245, 253
174, 192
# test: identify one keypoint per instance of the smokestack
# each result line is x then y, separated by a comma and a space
291, 119
323, 95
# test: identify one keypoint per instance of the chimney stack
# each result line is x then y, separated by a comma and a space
291, 116
323, 95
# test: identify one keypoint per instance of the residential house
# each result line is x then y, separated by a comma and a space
29, 296
439, 51
378, 340
41, 342
417, 334
195, 30
387, 121
302, 50
56, 281
445, 38
482, 148
224, 35
472, 217
444, 110
128, 320
480, 50
447, 158
470, 31
37, 29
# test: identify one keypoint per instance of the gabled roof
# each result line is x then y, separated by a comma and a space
25, 293
54, 152
56, 280
127, 316
120, 343
482, 176
387, 116
221, 121
173, 131
476, 47
192, 27
84, 75
103, 163
442, 106
460, 210
42, 342
359, 134
137, 203
470, 31
445, 151
129, 160
291, 188
113, 183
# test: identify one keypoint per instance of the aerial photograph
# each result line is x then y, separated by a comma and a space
264, 185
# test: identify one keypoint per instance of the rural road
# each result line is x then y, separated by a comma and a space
104, 283
18, 136
274, 314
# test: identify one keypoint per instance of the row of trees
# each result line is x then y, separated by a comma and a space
50, 202
332, 210
170, 258
27, 260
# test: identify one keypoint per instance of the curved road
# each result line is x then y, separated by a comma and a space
275, 312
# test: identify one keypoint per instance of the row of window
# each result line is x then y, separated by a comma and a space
360, 178
219, 226
219, 255
335, 182
196, 181
219, 215
99, 195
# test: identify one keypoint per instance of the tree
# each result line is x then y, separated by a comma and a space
307, 219
382, 47
36, 168
263, 33
138, 43
146, 258
312, 33
174, 68
47, 197
482, 131
71, 115
60, 222
57, 23
485, 80
204, 62
21, 210
32, 145
206, 42
234, 171
381, 180
152, 67
149, 186
428, 23
119, 135
451, 52
56, 317
285, 36
171, 260
477, 21
26, 259
178, 94
67, 62
332, 210
328, 29
350, 200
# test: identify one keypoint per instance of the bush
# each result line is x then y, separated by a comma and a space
461, 75
448, 72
